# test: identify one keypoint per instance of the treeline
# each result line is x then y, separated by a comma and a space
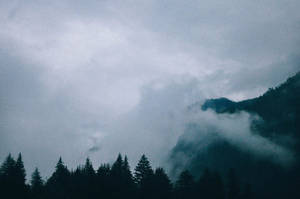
116, 181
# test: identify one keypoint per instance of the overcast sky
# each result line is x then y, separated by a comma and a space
74, 72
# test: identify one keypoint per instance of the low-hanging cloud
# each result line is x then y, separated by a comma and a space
164, 116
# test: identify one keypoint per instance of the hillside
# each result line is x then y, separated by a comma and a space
278, 122
279, 108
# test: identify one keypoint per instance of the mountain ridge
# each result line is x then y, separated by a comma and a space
279, 107
278, 121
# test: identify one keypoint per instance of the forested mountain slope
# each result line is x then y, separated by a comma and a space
274, 118
279, 108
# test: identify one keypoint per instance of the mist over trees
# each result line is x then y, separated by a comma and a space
274, 117
219, 171
115, 181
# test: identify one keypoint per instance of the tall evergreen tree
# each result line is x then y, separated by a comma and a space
143, 170
104, 182
162, 183
37, 185
117, 178
13, 178
143, 176
7, 167
89, 179
58, 184
20, 171
126, 170
127, 179
116, 169
7, 177
88, 168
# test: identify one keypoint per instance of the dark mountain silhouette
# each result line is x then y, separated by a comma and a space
279, 108
279, 121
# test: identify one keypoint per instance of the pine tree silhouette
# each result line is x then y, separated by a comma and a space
7, 177
58, 184
37, 185
143, 170
162, 183
12, 177
104, 182
143, 176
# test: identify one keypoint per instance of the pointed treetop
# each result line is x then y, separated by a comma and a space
88, 167
20, 170
143, 170
119, 158
60, 164
36, 179
126, 164
116, 169
8, 165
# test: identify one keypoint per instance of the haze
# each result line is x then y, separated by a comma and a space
95, 78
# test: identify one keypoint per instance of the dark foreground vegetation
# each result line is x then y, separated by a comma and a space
116, 181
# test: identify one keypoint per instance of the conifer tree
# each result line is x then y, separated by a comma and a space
58, 184
127, 179
12, 177
144, 178
88, 168
143, 170
127, 175
20, 171
89, 179
7, 177
116, 169
7, 167
104, 182
36, 180
126, 168
162, 183
37, 185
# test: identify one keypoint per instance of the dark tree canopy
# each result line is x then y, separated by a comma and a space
114, 182
12, 178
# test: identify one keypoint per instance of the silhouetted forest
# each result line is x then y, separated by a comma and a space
116, 181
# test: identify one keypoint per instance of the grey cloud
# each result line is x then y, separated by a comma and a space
76, 73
